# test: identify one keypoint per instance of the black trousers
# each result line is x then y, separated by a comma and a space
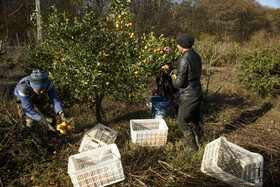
189, 111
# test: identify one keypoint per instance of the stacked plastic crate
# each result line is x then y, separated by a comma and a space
99, 136
99, 160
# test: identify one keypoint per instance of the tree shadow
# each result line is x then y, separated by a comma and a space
217, 102
246, 118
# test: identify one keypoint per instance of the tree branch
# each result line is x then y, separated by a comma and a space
15, 10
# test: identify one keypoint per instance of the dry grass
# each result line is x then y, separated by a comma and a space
241, 116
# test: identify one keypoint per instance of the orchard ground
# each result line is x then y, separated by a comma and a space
230, 110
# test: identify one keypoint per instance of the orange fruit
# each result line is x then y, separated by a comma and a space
165, 67
58, 127
132, 35
63, 124
69, 127
62, 131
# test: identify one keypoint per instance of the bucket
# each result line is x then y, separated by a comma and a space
159, 107
148, 101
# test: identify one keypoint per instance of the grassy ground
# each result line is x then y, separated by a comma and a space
230, 110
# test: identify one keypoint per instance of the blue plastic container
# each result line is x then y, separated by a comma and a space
159, 107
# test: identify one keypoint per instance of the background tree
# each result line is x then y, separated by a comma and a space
15, 21
235, 20
152, 13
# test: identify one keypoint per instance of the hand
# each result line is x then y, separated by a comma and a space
173, 73
44, 122
50, 122
64, 117
167, 49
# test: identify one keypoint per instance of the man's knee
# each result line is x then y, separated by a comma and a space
30, 123
183, 124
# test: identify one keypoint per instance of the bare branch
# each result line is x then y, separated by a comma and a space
15, 10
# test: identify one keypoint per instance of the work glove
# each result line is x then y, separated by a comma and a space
173, 73
45, 122
66, 118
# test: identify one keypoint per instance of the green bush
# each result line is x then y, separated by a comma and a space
260, 71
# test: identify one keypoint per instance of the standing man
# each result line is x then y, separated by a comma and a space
187, 80
38, 91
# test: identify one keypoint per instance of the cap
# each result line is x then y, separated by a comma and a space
185, 40
38, 80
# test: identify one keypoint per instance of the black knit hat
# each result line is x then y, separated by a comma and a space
185, 40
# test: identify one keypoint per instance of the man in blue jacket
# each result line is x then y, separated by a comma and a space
38, 91
187, 80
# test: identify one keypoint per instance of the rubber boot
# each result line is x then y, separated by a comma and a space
40, 141
199, 132
191, 143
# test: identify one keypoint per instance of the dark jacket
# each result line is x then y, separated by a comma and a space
188, 75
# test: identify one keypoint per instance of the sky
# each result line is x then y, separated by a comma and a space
270, 3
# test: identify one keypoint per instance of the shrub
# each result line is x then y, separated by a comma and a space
260, 71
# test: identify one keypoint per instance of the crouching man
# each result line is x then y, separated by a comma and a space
38, 91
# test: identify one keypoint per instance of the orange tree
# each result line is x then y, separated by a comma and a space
89, 58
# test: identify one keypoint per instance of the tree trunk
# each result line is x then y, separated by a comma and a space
98, 107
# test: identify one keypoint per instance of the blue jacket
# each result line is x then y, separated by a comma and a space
26, 94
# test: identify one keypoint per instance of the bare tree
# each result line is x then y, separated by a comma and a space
152, 13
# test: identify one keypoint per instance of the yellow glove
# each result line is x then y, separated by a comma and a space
173, 74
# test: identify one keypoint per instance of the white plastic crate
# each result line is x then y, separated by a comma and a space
232, 164
89, 143
97, 136
148, 132
98, 167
